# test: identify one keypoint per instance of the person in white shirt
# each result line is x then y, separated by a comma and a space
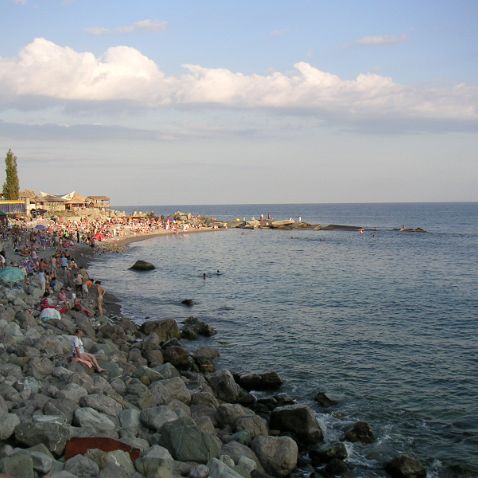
80, 354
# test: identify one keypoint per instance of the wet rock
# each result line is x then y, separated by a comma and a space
325, 453
278, 455
165, 329
142, 266
404, 466
360, 432
177, 356
219, 469
52, 435
167, 370
187, 302
336, 467
237, 450
224, 386
193, 327
299, 420
260, 381
324, 400
186, 442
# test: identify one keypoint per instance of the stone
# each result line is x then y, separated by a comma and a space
139, 395
157, 462
142, 266
82, 467
278, 455
336, 467
360, 432
129, 420
405, 466
101, 403
9, 421
73, 392
3, 407
147, 375
324, 400
40, 367
19, 465
193, 327
252, 424
173, 388
325, 453
177, 356
223, 384
42, 458
199, 471
155, 417
62, 407
260, 381
119, 459
167, 370
237, 450
245, 466
299, 420
165, 329
52, 435
219, 469
90, 418
187, 442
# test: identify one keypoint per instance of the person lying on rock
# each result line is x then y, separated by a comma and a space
79, 307
79, 354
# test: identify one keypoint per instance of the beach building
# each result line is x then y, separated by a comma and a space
98, 202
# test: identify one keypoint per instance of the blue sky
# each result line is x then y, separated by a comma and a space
161, 102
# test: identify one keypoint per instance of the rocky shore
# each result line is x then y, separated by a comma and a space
160, 409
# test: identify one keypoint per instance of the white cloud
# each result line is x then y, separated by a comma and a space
382, 40
47, 71
141, 25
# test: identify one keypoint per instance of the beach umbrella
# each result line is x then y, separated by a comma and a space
40, 227
11, 275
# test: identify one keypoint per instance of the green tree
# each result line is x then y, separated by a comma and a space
11, 186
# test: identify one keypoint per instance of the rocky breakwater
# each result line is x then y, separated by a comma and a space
158, 411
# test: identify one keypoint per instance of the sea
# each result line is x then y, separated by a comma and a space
384, 322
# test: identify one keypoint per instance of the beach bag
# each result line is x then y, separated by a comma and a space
50, 314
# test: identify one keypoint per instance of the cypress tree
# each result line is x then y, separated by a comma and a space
11, 187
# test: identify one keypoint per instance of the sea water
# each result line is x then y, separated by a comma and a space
386, 322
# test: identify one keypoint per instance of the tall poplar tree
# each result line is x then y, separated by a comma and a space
11, 187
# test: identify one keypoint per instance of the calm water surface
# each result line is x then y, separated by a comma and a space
385, 321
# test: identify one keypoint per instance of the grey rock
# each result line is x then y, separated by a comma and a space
260, 381
19, 465
155, 417
119, 459
40, 367
129, 420
325, 453
8, 423
101, 403
90, 418
142, 266
199, 471
245, 466
62, 407
187, 442
178, 356
218, 469
167, 370
82, 467
42, 459
166, 390
52, 435
73, 392
237, 450
298, 420
3, 407
224, 386
252, 424
165, 329
157, 462
278, 455
139, 395
324, 400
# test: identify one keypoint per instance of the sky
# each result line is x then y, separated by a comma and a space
232, 102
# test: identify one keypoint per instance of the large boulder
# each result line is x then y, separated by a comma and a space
17, 465
155, 417
186, 442
101, 403
218, 469
224, 386
278, 455
82, 467
299, 420
193, 327
142, 266
260, 381
53, 435
90, 418
177, 356
173, 388
360, 432
237, 450
325, 453
404, 466
165, 329
9, 421
157, 462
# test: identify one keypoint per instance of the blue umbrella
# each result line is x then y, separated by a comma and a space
40, 227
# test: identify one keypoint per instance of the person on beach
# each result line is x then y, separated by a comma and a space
79, 307
100, 298
79, 353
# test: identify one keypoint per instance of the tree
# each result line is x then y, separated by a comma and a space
11, 186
